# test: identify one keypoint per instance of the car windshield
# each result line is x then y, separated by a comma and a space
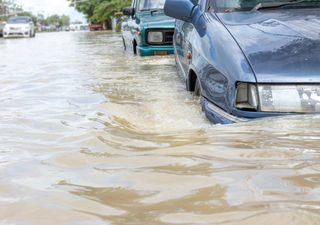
151, 4
19, 20
246, 5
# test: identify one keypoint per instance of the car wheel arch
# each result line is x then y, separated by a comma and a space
193, 75
192, 78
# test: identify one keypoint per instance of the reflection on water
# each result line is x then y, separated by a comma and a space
90, 135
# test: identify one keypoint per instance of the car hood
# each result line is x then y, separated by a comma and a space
155, 20
281, 45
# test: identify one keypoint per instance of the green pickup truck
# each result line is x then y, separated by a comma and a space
147, 31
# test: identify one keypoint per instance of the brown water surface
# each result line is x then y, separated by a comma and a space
90, 136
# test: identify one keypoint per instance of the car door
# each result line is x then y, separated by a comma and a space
183, 35
182, 45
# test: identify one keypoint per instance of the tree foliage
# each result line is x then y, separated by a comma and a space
57, 20
10, 8
99, 10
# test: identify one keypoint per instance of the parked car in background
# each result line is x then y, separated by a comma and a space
95, 26
249, 59
148, 31
2, 24
19, 26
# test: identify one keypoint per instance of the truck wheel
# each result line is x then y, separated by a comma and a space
134, 47
124, 44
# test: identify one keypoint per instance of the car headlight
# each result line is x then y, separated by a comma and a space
247, 97
289, 98
26, 28
155, 37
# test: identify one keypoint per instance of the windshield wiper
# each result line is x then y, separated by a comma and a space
264, 5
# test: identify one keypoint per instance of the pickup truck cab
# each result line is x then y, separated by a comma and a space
147, 31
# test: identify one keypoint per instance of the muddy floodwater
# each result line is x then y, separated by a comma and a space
90, 135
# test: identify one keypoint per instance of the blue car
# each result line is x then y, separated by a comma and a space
249, 59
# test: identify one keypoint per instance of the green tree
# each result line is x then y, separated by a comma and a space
107, 9
99, 10
87, 7
64, 20
53, 20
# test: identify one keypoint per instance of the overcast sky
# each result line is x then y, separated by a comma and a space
48, 7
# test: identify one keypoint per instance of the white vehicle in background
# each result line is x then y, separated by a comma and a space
19, 26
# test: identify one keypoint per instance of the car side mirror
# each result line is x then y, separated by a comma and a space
180, 9
128, 11
188, 11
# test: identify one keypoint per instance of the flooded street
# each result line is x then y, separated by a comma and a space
90, 135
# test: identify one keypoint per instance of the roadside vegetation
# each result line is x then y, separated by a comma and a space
10, 8
101, 11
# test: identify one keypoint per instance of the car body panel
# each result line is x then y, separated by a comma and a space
134, 32
276, 46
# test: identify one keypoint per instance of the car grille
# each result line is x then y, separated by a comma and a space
168, 36
15, 28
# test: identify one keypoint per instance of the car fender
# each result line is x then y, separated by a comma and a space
219, 62
192, 75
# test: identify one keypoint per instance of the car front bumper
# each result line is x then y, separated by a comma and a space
16, 34
220, 116
155, 50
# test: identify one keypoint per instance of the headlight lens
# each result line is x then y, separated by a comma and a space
247, 97
289, 98
155, 37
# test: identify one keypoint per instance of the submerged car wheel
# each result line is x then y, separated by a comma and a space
197, 89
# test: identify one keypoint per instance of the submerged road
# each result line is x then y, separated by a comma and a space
90, 135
